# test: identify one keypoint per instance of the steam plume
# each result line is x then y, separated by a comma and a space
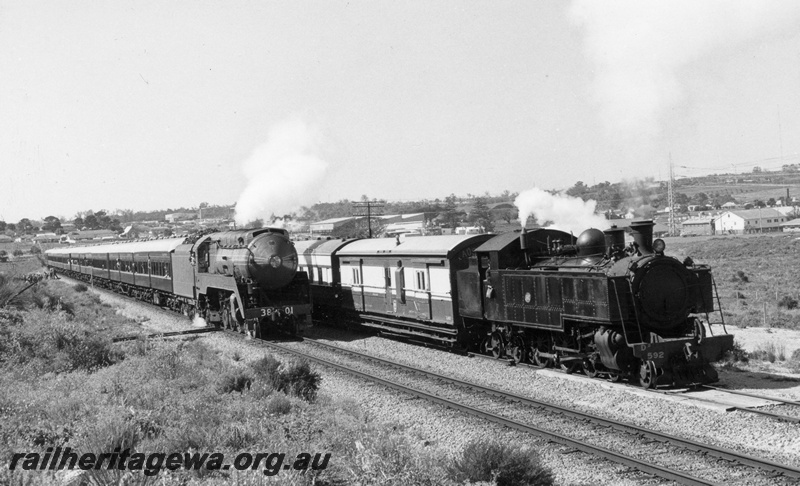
282, 174
567, 213
639, 47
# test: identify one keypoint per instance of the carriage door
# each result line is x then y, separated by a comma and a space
387, 299
422, 291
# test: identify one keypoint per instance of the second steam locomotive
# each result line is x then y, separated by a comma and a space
590, 303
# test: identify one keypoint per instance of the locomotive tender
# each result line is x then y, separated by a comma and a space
539, 296
246, 280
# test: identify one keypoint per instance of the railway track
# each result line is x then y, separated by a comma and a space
505, 408
710, 470
685, 393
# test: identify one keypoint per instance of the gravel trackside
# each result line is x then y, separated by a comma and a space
449, 431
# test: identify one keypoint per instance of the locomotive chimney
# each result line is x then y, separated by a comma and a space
523, 240
615, 239
642, 232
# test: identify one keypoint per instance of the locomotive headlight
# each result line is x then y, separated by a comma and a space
659, 245
275, 261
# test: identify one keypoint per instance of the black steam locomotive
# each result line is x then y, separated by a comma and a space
593, 303
246, 280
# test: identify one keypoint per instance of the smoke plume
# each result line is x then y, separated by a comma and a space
640, 47
566, 213
282, 174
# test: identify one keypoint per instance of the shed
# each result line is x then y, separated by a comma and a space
697, 227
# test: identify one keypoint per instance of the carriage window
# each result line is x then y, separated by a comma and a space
357, 276
421, 283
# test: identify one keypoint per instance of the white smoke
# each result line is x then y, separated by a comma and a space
288, 224
639, 47
567, 213
282, 174
199, 322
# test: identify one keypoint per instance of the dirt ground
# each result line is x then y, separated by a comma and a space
780, 378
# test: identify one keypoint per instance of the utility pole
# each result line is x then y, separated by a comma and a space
360, 207
671, 199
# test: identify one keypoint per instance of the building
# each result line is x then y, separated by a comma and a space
743, 221
46, 238
87, 236
792, 226
175, 217
404, 223
697, 227
327, 226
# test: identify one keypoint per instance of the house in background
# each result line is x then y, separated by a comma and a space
698, 227
743, 221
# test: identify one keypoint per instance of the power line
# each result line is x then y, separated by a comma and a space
368, 209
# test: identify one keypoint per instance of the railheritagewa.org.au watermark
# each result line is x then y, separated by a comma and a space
269, 463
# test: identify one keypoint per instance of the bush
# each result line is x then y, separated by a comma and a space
296, 379
736, 354
237, 381
788, 301
301, 381
502, 464
770, 352
740, 275
80, 287
279, 404
17, 252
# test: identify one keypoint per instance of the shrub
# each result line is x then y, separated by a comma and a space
236, 381
742, 277
80, 287
736, 354
788, 301
796, 355
297, 379
769, 352
301, 381
279, 404
17, 252
500, 464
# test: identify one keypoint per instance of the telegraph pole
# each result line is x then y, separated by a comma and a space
360, 207
671, 199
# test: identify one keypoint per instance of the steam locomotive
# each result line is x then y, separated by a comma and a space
590, 303
246, 280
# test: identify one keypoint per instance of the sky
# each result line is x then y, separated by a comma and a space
153, 105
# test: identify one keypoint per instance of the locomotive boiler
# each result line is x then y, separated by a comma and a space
246, 280
594, 304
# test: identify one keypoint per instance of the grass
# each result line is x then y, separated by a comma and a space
500, 464
65, 384
755, 276
770, 351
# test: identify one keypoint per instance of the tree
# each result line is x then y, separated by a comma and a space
2, 226
481, 216
578, 190
25, 226
51, 223
771, 202
450, 216
700, 199
90, 222
78, 222
757, 170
